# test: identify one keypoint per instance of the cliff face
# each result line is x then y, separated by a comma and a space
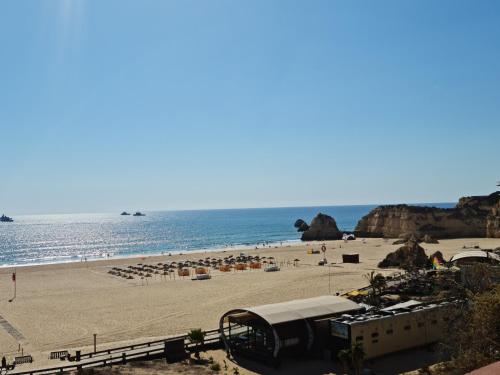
493, 222
472, 217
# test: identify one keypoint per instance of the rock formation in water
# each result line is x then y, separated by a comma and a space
322, 228
477, 216
301, 225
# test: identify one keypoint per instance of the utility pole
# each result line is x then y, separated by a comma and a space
95, 343
329, 279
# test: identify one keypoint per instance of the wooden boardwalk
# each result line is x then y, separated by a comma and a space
124, 354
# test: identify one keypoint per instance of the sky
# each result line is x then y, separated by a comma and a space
162, 105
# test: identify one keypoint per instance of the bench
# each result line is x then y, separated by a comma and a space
23, 359
62, 354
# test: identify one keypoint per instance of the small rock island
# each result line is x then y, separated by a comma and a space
322, 228
6, 219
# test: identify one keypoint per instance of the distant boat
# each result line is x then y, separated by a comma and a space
6, 219
139, 214
125, 213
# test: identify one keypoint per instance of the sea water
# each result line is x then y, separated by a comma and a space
35, 239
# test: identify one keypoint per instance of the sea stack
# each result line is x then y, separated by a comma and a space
322, 228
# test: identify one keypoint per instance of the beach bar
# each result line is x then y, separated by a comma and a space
403, 326
268, 332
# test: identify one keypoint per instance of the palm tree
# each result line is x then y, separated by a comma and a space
197, 337
357, 356
377, 283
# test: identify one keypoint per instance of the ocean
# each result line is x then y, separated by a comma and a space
38, 239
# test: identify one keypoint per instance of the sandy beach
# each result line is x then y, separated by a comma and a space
61, 306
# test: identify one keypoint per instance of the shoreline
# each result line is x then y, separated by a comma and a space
71, 237
80, 258
154, 255
96, 260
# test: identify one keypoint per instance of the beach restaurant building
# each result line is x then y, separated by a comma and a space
267, 332
406, 325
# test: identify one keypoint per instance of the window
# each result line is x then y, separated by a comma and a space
389, 331
434, 321
359, 338
446, 319
420, 324
407, 328
375, 341
374, 334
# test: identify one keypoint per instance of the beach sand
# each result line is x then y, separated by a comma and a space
61, 306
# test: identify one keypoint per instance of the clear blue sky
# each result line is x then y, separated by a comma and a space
139, 105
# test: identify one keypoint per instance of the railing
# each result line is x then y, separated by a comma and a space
116, 359
209, 337
123, 354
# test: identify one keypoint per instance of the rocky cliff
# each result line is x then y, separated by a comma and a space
477, 216
493, 222
322, 228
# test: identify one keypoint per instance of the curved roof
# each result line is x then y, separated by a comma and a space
303, 309
475, 254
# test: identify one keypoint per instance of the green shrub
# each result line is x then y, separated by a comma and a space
215, 366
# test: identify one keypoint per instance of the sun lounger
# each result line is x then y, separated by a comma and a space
23, 359
271, 269
201, 276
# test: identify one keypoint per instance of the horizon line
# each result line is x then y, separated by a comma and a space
232, 208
